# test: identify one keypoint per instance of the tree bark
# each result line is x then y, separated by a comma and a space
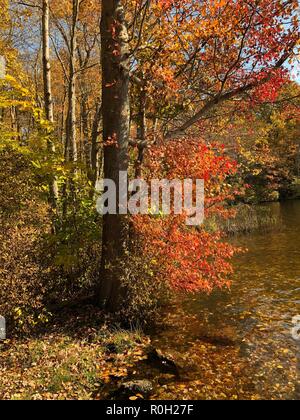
46, 63
141, 132
116, 119
48, 101
94, 170
71, 135
86, 147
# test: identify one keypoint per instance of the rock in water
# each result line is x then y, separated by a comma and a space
162, 362
131, 388
222, 341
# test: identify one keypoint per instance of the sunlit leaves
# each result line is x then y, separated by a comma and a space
190, 259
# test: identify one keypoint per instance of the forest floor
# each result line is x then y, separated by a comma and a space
79, 357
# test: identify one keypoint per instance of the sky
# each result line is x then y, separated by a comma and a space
295, 72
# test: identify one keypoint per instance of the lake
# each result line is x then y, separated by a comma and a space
238, 344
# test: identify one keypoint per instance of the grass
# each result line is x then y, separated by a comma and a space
249, 218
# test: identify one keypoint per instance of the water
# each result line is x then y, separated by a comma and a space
238, 344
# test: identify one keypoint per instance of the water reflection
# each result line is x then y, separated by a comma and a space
256, 315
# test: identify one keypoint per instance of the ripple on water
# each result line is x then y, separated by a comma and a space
256, 316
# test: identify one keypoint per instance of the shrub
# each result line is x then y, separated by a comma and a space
40, 268
23, 220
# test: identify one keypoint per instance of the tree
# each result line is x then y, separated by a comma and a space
187, 258
116, 117
186, 59
211, 52
71, 131
168, 70
46, 64
48, 100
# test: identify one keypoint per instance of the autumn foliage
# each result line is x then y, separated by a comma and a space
190, 258
192, 75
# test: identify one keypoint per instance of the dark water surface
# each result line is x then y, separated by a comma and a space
239, 344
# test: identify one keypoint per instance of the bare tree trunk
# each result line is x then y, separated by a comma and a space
71, 135
62, 118
46, 63
116, 119
86, 149
71, 152
14, 123
2, 114
155, 130
141, 133
94, 170
48, 101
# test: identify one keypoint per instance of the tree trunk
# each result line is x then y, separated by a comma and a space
94, 169
86, 147
48, 101
141, 132
71, 135
84, 115
116, 117
46, 63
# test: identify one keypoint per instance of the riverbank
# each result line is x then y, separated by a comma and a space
251, 218
86, 361
77, 358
